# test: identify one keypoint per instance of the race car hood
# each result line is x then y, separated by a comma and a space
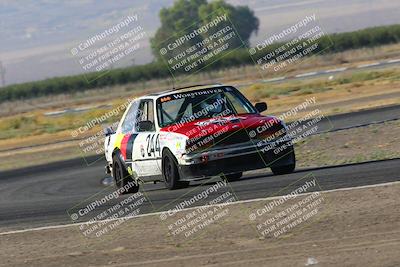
204, 127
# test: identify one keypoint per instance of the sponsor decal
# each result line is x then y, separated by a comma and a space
142, 152
197, 93
219, 121
165, 99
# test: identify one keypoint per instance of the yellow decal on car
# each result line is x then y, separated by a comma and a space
118, 140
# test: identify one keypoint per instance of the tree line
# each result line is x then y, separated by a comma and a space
336, 42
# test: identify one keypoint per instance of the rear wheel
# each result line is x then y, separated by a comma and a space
171, 173
233, 176
122, 178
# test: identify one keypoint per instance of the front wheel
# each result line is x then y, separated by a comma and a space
122, 178
171, 173
283, 169
233, 176
286, 169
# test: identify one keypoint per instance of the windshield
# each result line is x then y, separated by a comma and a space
201, 104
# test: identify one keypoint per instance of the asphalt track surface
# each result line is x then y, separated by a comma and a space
42, 195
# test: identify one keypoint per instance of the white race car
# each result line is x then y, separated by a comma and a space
195, 133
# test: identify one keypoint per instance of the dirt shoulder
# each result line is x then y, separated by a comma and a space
358, 227
373, 142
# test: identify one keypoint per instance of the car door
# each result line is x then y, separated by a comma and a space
147, 146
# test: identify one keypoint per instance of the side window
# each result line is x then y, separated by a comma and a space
128, 125
145, 116
150, 112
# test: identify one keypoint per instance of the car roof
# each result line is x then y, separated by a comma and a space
180, 90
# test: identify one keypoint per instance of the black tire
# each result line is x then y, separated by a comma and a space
283, 169
233, 176
122, 177
171, 172
286, 169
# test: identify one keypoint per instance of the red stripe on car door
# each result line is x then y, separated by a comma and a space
124, 144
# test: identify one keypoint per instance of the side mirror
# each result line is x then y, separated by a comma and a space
108, 131
145, 126
262, 106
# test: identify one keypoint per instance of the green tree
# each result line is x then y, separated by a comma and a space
243, 19
174, 20
186, 15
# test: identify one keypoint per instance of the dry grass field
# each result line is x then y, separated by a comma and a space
24, 123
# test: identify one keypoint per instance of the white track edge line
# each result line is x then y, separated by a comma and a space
275, 79
368, 65
393, 61
192, 208
335, 70
306, 74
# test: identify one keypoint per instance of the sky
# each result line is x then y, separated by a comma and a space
36, 36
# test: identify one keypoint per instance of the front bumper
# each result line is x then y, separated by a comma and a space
236, 158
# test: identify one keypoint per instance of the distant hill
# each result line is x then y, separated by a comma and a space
36, 36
